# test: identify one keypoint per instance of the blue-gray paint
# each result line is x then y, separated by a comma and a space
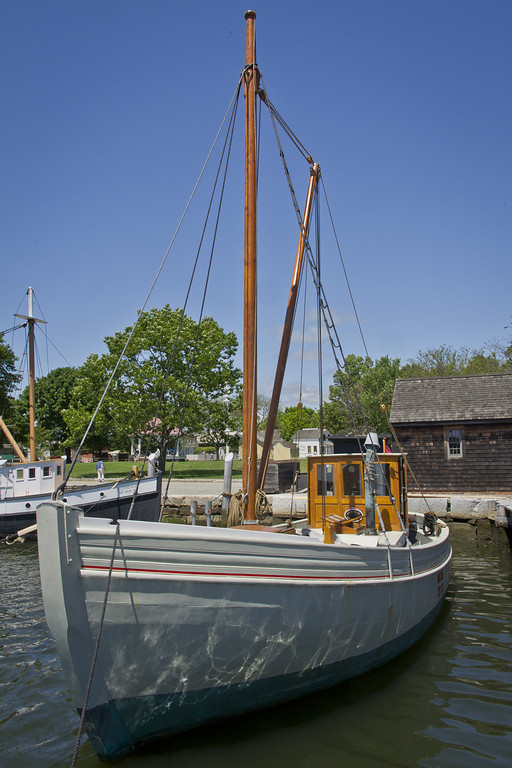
119, 726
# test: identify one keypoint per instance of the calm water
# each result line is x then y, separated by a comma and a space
446, 703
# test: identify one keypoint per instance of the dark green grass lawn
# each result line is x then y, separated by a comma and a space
182, 470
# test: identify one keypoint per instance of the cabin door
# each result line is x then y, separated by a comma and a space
336, 487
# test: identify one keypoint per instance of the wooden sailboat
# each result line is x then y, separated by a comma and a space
161, 628
27, 483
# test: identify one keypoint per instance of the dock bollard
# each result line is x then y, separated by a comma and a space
208, 510
193, 509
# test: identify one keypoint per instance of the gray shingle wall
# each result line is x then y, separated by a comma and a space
485, 465
481, 407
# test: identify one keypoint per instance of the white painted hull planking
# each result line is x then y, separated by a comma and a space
204, 623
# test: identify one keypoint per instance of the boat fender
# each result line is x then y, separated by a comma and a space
429, 524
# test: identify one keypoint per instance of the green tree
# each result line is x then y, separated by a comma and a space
220, 424
502, 350
357, 393
90, 382
447, 361
162, 370
52, 393
9, 376
262, 410
293, 419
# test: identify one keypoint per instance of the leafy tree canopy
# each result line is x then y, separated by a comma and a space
446, 361
295, 418
52, 393
357, 393
162, 364
220, 425
9, 377
502, 350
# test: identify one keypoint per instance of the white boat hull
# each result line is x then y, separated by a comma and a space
111, 500
205, 623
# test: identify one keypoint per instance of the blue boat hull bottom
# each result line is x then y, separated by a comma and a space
153, 718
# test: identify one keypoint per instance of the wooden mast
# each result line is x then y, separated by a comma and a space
288, 323
250, 371
32, 373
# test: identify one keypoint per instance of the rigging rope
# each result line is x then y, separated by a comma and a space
325, 311
96, 650
226, 150
382, 405
282, 122
159, 270
322, 304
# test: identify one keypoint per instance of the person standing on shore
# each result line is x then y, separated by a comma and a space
100, 468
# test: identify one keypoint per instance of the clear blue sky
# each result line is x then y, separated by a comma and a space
110, 106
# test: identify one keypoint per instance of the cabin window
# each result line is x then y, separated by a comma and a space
47, 471
325, 480
309, 449
31, 473
382, 483
454, 443
59, 470
352, 485
19, 474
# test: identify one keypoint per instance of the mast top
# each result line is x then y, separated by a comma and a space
250, 14
30, 316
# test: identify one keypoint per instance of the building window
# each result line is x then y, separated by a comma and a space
454, 443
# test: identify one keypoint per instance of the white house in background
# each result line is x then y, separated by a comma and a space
308, 442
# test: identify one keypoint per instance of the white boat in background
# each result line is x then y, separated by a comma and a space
164, 627
26, 483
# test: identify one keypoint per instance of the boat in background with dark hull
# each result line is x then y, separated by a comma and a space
24, 486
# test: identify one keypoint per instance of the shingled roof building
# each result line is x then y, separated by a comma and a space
456, 431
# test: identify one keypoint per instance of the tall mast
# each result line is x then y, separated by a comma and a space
32, 372
250, 371
32, 377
